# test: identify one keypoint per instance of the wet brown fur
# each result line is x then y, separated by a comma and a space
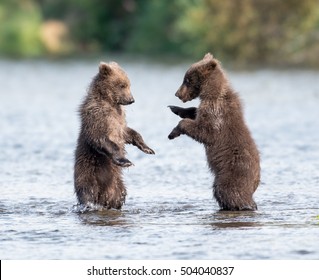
218, 123
100, 151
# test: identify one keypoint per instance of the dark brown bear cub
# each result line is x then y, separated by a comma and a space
219, 124
100, 151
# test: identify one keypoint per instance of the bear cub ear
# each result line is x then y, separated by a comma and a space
209, 63
208, 56
104, 68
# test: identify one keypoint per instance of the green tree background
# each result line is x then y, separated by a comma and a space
274, 32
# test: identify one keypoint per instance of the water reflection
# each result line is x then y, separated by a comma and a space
103, 217
236, 225
235, 219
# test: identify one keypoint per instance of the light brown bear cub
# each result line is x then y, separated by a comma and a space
100, 151
219, 124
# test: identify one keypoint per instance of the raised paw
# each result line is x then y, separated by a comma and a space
175, 133
184, 113
174, 109
123, 162
148, 150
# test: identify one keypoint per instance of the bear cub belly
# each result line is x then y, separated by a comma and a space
218, 124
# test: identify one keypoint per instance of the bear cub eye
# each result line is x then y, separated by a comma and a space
187, 81
123, 86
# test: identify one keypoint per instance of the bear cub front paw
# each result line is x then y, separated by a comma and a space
175, 133
148, 150
123, 162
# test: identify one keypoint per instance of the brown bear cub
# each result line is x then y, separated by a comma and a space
219, 124
100, 151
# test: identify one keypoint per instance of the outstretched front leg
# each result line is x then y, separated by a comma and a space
134, 138
189, 113
192, 129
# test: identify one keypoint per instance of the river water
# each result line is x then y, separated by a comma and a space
169, 212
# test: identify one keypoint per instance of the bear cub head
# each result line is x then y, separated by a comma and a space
202, 78
112, 84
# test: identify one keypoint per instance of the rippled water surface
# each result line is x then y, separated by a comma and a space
169, 212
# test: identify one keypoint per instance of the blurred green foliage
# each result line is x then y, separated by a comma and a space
239, 31
20, 28
254, 30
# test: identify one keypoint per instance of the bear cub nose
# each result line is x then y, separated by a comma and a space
131, 101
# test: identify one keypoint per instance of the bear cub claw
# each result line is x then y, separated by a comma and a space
148, 150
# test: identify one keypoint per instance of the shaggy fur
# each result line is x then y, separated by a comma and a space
218, 123
100, 151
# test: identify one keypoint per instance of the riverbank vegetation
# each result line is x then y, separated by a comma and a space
238, 31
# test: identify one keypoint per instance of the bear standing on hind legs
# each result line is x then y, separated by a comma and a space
100, 151
218, 123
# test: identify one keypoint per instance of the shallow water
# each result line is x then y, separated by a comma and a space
169, 212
